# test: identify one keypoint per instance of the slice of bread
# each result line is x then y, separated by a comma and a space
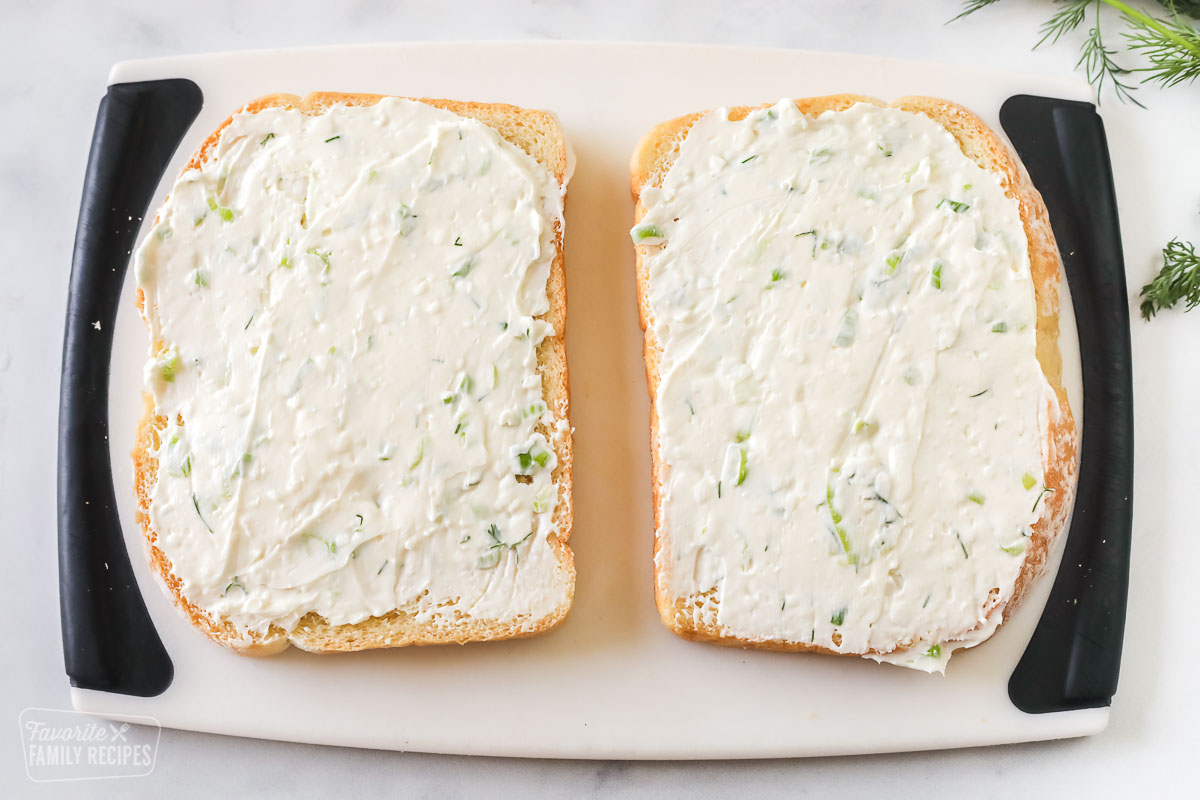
697, 616
538, 134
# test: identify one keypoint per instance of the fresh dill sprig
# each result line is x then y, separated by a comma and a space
1170, 45
1064, 21
1191, 7
1099, 66
971, 6
1179, 280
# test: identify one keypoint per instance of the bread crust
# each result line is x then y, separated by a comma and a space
539, 135
653, 158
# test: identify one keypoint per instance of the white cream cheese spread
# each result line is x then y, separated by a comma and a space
349, 308
852, 415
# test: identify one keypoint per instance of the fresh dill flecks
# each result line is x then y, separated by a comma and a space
196, 503
332, 139
1171, 45
1045, 490
749, 158
1178, 281
492, 556
266, 139
329, 545
961, 544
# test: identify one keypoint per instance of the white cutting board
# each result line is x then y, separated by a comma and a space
612, 682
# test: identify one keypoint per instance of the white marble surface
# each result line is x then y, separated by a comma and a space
52, 74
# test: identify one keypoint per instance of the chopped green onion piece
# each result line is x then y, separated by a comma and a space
420, 455
845, 334
975, 498
312, 251
935, 276
893, 261
166, 370
741, 471
935, 651
1014, 550
742, 436
838, 530
839, 616
1028, 481
646, 230
955, 205
1000, 327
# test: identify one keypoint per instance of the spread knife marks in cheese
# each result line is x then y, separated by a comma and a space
348, 307
851, 410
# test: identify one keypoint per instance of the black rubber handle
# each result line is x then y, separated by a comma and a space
1074, 657
109, 642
